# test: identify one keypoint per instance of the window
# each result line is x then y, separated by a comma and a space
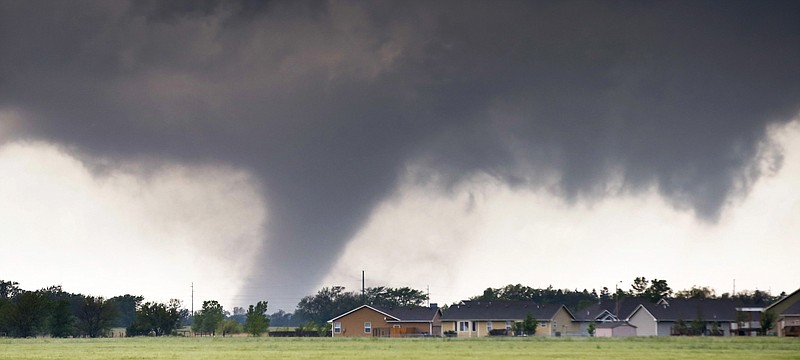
474, 323
463, 326
488, 326
337, 328
367, 327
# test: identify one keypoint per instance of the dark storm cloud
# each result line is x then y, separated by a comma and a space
328, 102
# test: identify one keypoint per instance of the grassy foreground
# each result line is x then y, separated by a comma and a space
325, 348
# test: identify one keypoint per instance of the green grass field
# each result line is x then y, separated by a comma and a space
325, 348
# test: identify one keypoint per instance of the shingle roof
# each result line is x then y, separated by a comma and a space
500, 310
409, 314
792, 310
690, 309
626, 307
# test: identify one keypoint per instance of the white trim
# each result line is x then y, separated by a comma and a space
768, 308
361, 307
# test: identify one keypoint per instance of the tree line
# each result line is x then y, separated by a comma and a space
641, 288
57, 313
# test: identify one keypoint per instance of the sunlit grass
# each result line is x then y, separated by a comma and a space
326, 348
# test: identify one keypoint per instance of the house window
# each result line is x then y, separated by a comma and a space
474, 326
337, 328
367, 327
463, 326
488, 326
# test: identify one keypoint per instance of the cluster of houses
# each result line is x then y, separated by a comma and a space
627, 317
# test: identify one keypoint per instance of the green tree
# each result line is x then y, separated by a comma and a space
591, 328
680, 328
62, 322
393, 297
26, 314
126, 306
209, 317
529, 325
327, 303
8, 289
696, 292
768, 319
95, 316
257, 321
639, 286
698, 325
657, 290
156, 318
229, 326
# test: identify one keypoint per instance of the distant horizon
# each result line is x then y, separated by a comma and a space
272, 310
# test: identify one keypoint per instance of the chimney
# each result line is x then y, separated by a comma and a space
434, 306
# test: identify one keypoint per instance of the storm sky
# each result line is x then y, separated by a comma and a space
265, 149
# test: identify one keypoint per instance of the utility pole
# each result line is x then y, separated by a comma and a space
363, 294
428, 290
192, 302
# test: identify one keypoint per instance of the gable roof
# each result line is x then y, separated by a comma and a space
621, 309
502, 310
786, 305
691, 309
399, 314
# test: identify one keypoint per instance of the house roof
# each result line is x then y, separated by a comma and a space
613, 324
501, 310
409, 314
690, 309
794, 309
624, 307
783, 302
399, 314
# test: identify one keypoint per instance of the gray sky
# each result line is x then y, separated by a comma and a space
250, 147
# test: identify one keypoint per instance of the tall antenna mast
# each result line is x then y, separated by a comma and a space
192, 301
363, 294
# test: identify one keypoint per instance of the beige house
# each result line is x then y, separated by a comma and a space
377, 321
477, 319
787, 313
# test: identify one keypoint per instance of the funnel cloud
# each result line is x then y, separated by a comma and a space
328, 104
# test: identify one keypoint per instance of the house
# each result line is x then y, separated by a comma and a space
787, 313
378, 321
684, 317
483, 318
614, 329
610, 311
748, 321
